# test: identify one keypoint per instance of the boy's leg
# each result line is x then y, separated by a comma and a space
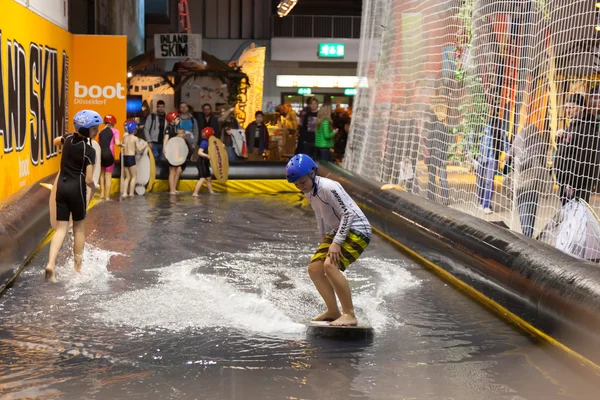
55, 245
125, 182
172, 172
340, 285
198, 186
177, 176
107, 184
78, 243
316, 271
133, 174
102, 184
209, 185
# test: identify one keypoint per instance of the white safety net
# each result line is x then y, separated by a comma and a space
486, 106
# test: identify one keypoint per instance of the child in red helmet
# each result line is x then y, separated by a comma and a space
204, 162
108, 138
171, 131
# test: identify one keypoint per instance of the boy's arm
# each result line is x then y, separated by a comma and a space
202, 154
341, 203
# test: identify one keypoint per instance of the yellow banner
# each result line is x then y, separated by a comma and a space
252, 63
34, 84
42, 85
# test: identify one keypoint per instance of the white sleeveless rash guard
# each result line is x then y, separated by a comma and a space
336, 212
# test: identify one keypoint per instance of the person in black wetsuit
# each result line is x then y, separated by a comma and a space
76, 171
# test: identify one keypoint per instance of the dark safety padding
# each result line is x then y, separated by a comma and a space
554, 292
24, 222
257, 170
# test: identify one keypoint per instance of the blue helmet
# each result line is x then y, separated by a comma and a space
131, 126
86, 119
298, 166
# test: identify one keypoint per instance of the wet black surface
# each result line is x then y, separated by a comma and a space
185, 298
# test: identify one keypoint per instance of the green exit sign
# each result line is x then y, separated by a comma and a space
350, 92
304, 91
332, 50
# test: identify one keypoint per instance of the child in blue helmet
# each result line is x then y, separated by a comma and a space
131, 144
345, 234
76, 171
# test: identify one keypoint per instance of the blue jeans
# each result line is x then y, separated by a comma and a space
157, 149
323, 154
485, 182
232, 154
527, 203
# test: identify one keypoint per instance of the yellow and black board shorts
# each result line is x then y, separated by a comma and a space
352, 248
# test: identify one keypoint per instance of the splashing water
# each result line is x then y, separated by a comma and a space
264, 291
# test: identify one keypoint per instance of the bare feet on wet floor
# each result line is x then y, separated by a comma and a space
194, 195
50, 276
345, 320
327, 316
77, 263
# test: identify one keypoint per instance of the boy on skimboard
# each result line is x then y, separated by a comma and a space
345, 234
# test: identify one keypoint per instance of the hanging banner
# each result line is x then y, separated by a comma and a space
34, 86
252, 63
100, 80
178, 45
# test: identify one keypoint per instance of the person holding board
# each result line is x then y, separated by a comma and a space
345, 234
204, 162
76, 171
108, 138
172, 131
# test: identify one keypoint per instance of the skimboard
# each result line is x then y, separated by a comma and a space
150, 184
97, 166
219, 161
143, 172
323, 329
176, 151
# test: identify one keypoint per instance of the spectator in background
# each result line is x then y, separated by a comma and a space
576, 163
207, 119
154, 129
324, 133
228, 122
529, 153
306, 139
341, 122
189, 125
305, 110
257, 138
493, 142
437, 143
291, 119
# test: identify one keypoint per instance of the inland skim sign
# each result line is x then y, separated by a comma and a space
178, 45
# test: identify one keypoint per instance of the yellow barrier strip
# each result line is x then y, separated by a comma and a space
247, 186
497, 308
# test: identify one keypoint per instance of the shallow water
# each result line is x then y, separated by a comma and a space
185, 298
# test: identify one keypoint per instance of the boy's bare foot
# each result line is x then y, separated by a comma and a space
77, 263
195, 195
50, 276
345, 320
172, 192
327, 316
